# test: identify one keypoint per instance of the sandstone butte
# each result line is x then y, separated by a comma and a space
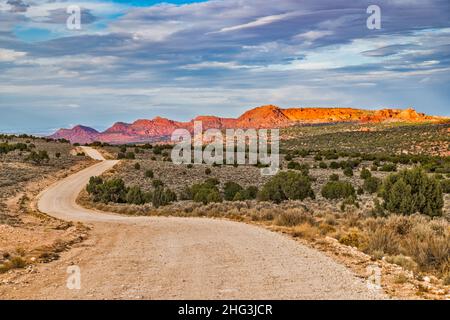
261, 117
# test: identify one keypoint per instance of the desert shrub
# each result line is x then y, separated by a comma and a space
121, 155
334, 165
149, 173
348, 171
239, 196
18, 262
412, 191
207, 195
288, 185
156, 183
205, 192
123, 149
135, 196
374, 167
334, 177
137, 166
388, 167
113, 190
38, 157
231, 189
288, 157
58, 155
338, 190
371, 184
382, 240
352, 238
428, 247
162, 196
404, 261
318, 157
302, 153
250, 192
445, 185
292, 217
360, 191
323, 165
157, 150
130, 155
365, 173
93, 185
207, 171
304, 168
5, 147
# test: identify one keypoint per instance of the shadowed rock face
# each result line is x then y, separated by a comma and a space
262, 117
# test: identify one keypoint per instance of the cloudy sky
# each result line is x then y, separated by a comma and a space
179, 59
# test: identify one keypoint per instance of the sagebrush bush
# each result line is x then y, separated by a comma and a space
293, 217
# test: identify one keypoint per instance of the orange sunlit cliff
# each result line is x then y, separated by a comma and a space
261, 117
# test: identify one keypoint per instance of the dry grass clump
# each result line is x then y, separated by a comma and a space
293, 217
424, 241
12, 261
305, 231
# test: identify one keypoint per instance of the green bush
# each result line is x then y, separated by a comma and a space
334, 177
303, 167
323, 165
348, 171
157, 150
445, 186
156, 183
130, 155
338, 190
334, 165
249, 193
230, 190
365, 173
149, 173
162, 197
388, 167
135, 196
371, 184
412, 191
137, 166
288, 185
38, 157
113, 190
205, 193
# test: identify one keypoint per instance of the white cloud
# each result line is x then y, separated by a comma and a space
7, 55
263, 21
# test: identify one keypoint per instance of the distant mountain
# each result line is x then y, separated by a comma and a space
80, 134
261, 117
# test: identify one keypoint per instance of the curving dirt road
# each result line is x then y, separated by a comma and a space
181, 258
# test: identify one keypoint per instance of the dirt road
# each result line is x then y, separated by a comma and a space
180, 258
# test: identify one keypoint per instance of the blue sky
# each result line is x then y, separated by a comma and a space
179, 59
